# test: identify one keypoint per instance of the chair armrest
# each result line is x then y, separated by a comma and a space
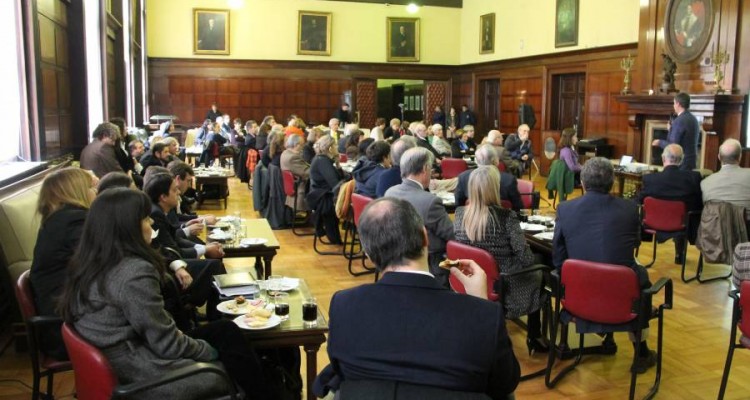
197, 368
663, 283
538, 267
41, 320
735, 294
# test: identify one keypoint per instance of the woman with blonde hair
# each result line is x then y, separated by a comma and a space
63, 204
483, 223
272, 152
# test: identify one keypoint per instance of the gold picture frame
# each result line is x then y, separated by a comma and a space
210, 31
402, 42
487, 34
314, 33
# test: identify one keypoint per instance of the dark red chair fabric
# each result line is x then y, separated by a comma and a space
587, 297
504, 204
42, 365
359, 202
526, 189
663, 215
343, 158
453, 167
289, 186
501, 166
457, 250
741, 321
608, 295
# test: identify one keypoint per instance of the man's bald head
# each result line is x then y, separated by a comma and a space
672, 155
495, 138
730, 152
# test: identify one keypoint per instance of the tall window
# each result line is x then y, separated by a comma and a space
13, 83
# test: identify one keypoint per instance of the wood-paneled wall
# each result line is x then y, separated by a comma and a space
252, 89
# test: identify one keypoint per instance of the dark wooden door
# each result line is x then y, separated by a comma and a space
488, 117
397, 102
568, 96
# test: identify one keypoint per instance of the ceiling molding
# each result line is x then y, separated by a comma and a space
433, 3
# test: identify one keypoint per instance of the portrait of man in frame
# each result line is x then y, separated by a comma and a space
210, 31
314, 33
403, 39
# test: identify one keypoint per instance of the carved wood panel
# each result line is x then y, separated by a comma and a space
366, 102
436, 94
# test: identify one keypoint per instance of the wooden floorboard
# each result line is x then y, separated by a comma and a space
696, 330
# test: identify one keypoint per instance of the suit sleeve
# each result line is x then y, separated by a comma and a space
165, 238
559, 250
438, 220
505, 372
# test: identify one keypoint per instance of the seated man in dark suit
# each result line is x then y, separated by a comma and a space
416, 168
422, 135
421, 338
486, 155
674, 184
392, 176
157, 156
602, 228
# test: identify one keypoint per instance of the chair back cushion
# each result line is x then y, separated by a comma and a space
453, 167
501, 166
457, 250
526, 189
25, 297
94, 377
664, 215
598, 292
19, 225
503, 203
359, 202
288, 183
745, 304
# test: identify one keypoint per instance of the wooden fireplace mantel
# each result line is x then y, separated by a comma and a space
721, 114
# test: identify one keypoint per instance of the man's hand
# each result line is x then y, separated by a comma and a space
184, 278
525, 157
195, 229
655, 143
472, 276
213, 250
209, 219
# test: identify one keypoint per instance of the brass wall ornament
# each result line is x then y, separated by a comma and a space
626, 64
720, 59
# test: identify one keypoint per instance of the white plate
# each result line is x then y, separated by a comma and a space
220, 237
287, 284
532, 227
540, 218
247, 242
226, 307
273, 321
544, 235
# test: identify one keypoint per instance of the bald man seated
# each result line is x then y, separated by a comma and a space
731, 183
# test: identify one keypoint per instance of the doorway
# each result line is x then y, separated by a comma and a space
401, 98
489, 118
568, 98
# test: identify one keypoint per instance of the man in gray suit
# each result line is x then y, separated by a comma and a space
416, 168
731, 183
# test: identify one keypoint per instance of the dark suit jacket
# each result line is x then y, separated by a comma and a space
598, 227
674, 184
458, 152
168, 236
425, 144
387, 180
148, 160
417, 332
684, 131
508, 189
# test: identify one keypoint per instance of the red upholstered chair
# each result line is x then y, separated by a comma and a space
291, 185
456, 250
506, 204
343, 158
95, 379
501, 166
42, 365
529, 197
608, 295
359, 202
453, 167
741, 321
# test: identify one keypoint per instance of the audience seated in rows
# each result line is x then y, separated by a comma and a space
430, 343
416, 169
487, 155
483, 223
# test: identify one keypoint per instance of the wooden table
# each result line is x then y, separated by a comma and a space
293, 333
221, 179
256, 228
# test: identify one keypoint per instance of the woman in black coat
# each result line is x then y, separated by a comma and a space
63, 203
324, 179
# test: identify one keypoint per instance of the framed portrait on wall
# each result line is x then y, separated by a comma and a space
402, 39
314, 33
210, 31
566, 23
687, 28
487, 34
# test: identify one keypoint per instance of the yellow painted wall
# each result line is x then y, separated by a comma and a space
267, 30
527, 27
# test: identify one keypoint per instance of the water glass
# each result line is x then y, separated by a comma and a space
273, 284
310, 312
281, 305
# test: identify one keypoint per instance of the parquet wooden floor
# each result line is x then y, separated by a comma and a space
696, 330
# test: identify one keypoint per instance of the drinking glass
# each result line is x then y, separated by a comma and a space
273, 284
310, 312
281, 305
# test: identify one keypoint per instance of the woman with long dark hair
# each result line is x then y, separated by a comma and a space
112, 298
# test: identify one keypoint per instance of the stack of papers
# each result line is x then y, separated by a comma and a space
241, 283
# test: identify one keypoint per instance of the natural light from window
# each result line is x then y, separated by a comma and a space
11, 68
